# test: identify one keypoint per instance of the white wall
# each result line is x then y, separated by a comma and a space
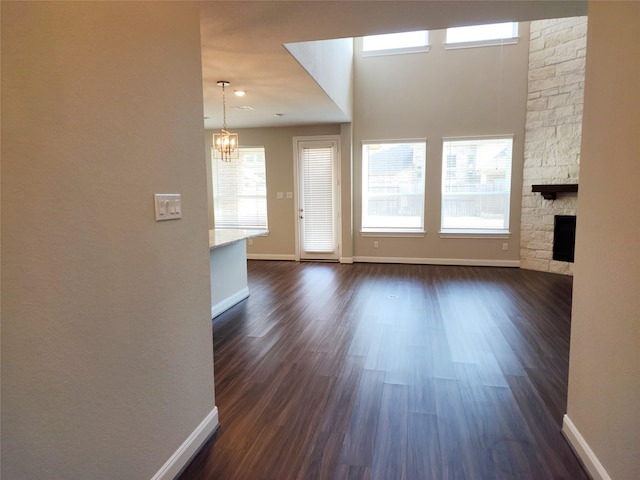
330, 64
106, 330
441, 93
603, 409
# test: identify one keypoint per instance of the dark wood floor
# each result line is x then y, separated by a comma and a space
373, 371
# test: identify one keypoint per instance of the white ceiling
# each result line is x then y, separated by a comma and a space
242, 42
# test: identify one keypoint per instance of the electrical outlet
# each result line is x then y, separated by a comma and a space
375, 244
505, 246
250, 241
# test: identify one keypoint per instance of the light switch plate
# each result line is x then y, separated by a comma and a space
168, 206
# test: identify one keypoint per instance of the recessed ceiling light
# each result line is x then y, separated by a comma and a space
239, 93
278, 114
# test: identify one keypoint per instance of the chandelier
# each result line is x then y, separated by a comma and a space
225, 144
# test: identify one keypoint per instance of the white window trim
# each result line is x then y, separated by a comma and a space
478, 137
399, 232
511, 39
266, 227
469, 233
482, 43
479, 233
396, 51
369, 232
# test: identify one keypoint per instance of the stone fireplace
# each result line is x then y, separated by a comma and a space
553, 132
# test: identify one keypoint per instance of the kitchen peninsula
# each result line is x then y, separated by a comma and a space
228, 267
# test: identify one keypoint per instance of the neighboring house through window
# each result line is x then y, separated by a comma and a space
476, 184
393, 183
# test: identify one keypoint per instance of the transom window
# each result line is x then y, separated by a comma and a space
482, 34
393, 182
240, 190
396, 42
476, 184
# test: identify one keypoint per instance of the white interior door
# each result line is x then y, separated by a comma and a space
316, 198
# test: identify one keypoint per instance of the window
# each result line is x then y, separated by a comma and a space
476, 184
393, 176
404, 42
240, 190
482, 34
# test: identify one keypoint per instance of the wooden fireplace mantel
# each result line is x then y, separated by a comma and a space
549, 192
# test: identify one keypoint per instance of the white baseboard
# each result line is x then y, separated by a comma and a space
471, 262
583, 450
417, 261
229, 302
189, 447
270, 256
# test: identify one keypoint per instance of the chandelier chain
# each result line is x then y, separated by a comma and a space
224, 110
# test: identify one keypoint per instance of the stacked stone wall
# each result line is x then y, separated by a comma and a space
553, 131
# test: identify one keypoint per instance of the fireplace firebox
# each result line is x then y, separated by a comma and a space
564, 238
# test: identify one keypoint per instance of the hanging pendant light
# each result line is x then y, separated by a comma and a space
225, 144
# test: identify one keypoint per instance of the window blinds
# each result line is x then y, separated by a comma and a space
318, 229
240, 190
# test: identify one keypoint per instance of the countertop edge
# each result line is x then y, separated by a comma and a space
220, 237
